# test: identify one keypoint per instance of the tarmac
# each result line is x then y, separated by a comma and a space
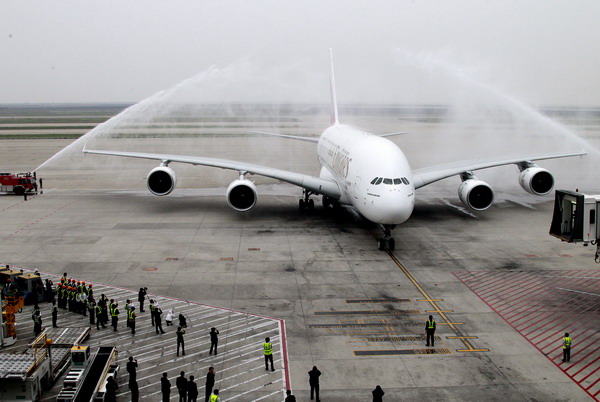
317, 283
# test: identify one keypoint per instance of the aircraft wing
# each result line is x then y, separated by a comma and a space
425, 176
315, 184
291, 137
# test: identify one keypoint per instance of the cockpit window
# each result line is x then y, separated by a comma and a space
397, 181
387, 181
374, 180
405, 180
378, 181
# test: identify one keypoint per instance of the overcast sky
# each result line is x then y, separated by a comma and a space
544, 52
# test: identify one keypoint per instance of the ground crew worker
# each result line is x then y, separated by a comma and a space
54, 313
180, 332
430, 330
566, 347
131, 316
268, 352
210, 383
103, 300
90, 292
36, 316
83, 299
91, 306
71, 296
152, 311
165, 388
181, 384
9, 286
99, 315
313, 381
64, 296
127, 308
77, 302
215, 396
59, 294
114, 314
214, 340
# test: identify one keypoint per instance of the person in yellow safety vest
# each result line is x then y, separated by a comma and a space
268, 351
430, 330
99, 315
131, 316
71, 299
566, 348
152, 311
114, 314
215, 396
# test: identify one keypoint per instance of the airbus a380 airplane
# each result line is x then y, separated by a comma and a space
360, 169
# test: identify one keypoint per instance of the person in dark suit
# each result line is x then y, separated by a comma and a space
192, 390
313, 381
165, 388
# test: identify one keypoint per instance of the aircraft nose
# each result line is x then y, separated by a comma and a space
394, 207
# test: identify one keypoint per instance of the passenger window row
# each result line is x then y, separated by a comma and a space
396, 181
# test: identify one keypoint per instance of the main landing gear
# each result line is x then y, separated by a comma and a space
306, 202
387, 242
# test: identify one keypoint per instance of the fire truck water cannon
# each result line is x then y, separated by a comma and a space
575, 219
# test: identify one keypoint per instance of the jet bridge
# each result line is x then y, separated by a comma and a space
575, 219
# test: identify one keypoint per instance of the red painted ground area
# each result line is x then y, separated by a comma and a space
542, 306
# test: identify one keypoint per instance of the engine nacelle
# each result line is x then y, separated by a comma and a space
476, 194
241, 195
536, 180
161, 180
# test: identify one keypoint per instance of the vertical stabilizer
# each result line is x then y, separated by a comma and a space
334, 108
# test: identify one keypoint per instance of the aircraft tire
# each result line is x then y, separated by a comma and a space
391, 244
301, 204
381, 244
311, 204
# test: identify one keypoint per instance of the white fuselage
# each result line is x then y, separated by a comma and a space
372, 172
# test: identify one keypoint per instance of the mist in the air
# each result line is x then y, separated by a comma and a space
213, 113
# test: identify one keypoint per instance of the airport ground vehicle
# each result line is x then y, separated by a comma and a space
86, 381
25, 375
19, 183
28, 285
574, 219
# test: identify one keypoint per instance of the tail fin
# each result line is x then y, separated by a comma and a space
334, 108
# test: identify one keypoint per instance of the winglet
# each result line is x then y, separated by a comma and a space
334, 108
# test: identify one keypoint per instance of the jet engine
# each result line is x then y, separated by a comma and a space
241, 195
474, 193
161, 180
536, 180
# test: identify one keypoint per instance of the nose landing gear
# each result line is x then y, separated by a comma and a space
387, 242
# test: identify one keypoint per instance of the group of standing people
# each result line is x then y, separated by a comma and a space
187, 388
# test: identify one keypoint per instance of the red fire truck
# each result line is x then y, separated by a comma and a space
18, 184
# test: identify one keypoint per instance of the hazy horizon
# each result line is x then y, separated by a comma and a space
542, 53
